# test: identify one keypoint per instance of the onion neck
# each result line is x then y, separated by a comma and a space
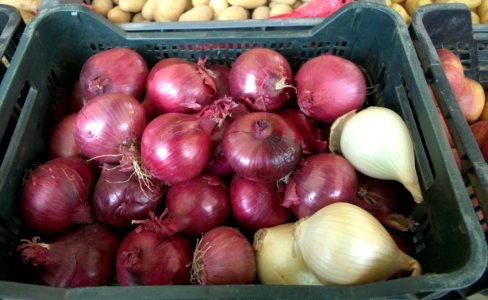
98, 84
263, 129
34, 252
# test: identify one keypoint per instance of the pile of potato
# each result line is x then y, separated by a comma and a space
479, 8
123, 11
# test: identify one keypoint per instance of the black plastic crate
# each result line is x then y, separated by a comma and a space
11, 28
448, 241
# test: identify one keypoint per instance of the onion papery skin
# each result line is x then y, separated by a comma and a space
62, 142
261, 78
146, 258
175, 147
119, 197
108, 128
262, 146
345, 245
329, 86
56, 195
80, 257
312, 136
180, 87
257, 204
320, 180
223, 256
220, 74
114, 70
196, 206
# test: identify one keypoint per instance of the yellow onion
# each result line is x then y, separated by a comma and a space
276, 260
343, 244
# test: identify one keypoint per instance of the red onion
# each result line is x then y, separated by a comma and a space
175, 147
80, 257
180, 87
261, 78
195, 206
257, 204
320, 180
77, 101
223, 256
217, 163
147, 258
220, 74
62, 142
119, 197
114, 70
329, 86
262, 146
109, 127
312, 137
383, 199
56, 195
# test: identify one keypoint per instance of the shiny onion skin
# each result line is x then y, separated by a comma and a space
80, 257
196, 206
320, 180
56, 195
108, 128
262, 146
114, 70
175, 147
257, 205
329, 86
62, 142
119, 197
146, 258
311, 134
180, 87
223, 256
261, 78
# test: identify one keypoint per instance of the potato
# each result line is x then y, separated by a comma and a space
218, 6
260, 13
148, 9
169, 10
482, 12
411, 5
198, 13
102, 6
297, 5
199, 2
289, 2
188, 5
280, 9
117, 15
233, 12
116, 2
133, 6
469, 3
475, 19
138, 18
249, 4
401, 10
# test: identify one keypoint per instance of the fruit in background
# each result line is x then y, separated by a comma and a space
471, 99
457, 159
484, 113
446, 130
452, 66
480, 132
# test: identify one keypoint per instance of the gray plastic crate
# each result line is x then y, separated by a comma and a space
448, 241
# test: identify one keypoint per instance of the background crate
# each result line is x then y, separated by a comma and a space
448, 241
449, 26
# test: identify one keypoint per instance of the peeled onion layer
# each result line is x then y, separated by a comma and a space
345, 245
277, 260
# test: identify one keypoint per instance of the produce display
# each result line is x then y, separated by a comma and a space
479, 8
198, 173
123, 11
